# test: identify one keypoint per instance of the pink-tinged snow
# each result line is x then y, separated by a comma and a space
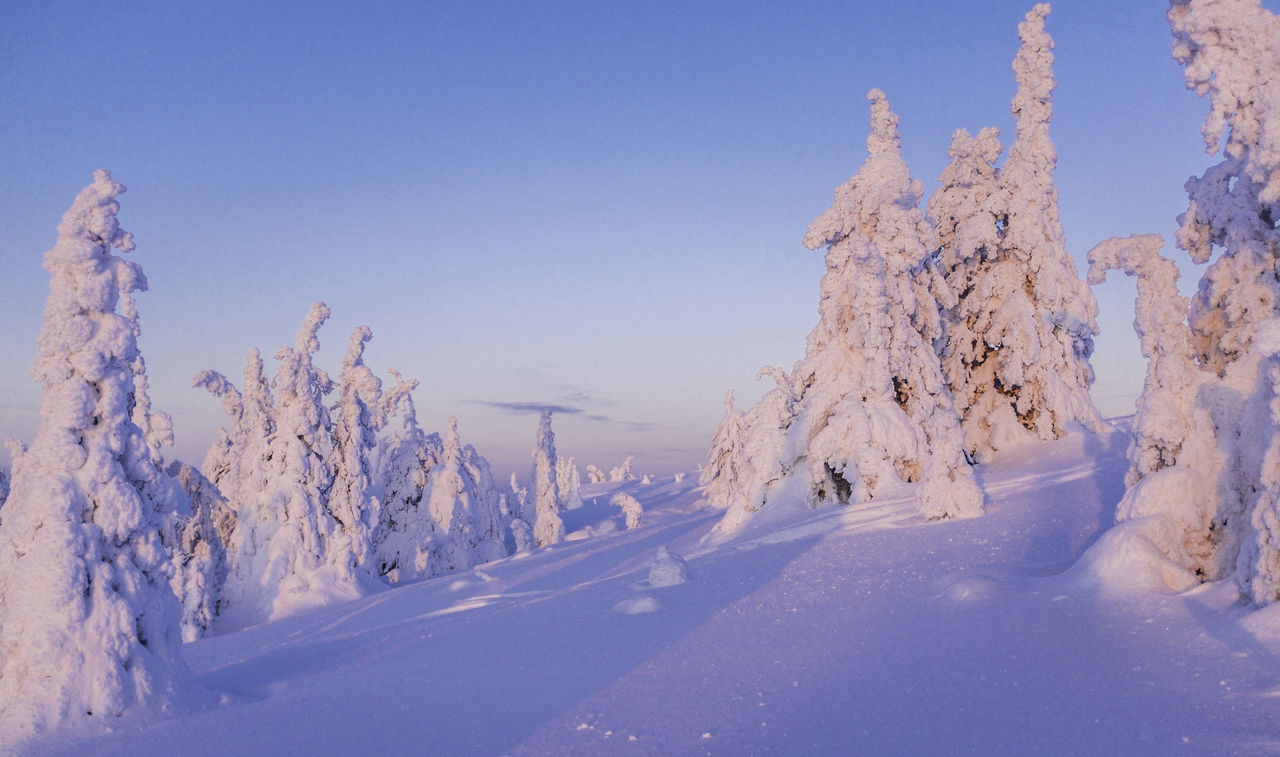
849, 630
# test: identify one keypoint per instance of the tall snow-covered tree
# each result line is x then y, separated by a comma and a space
868, 401
1229, 50
89, 626
548, 528
1022, 330
362, 410
302, 563
1205, 456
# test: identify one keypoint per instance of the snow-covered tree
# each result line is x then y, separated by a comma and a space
89, 626
1021, 332
595, 475
519, 495
622, 472
302, 564
1229, 50
4, 487
569, 482
1173, 457
465, 512
1205, 456
723, 470
362, 410
632, 511
1168, 419
199, 557
1259, 561
405, 526
545, 509
487, 507
868, 401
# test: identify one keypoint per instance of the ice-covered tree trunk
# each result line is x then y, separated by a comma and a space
1173, 459
868, 401
89, 626
548, 528
1022, 330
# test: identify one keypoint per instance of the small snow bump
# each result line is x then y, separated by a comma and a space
637, 606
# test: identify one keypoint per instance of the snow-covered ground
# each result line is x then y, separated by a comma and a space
850, 630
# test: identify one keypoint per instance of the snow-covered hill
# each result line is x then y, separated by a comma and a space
851, 630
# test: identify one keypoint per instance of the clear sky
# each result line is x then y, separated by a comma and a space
595, 206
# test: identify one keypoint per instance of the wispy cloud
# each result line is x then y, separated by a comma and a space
527, 408
537, 408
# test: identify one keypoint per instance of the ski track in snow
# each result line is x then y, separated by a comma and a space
839, 631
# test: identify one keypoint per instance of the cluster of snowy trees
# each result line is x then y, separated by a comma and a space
109, 559
1204, 477
945, 333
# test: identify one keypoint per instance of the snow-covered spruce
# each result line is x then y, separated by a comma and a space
622, 472
405, 528
1231, 53
1173, 459
89, 626
868, 401
1021, 331
200, 559
595, 475
361, 411
632, 511
1230, 50
723, 472
544, 511
569, 482
463, 502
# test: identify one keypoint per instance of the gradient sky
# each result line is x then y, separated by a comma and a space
594, 206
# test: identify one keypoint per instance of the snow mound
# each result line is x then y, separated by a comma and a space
1128, 559
637, 606
667, 569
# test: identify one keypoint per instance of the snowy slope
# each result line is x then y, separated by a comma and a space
858, 630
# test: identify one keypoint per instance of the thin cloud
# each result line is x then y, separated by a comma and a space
537, 408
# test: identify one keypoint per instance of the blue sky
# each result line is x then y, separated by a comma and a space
596, 206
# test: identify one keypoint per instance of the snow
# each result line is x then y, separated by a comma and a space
858, 629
